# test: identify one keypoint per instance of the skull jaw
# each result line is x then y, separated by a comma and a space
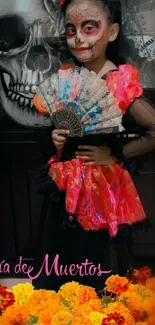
28, 117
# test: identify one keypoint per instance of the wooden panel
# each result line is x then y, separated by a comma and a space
144, 242
8, 243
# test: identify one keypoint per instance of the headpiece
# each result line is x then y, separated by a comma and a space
61, 2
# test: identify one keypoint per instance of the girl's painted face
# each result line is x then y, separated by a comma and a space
87, 30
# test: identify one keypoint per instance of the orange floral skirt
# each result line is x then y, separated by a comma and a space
99, 197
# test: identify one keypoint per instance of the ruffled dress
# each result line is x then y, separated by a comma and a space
86, 206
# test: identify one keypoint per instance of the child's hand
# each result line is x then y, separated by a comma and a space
95, 155
58, 140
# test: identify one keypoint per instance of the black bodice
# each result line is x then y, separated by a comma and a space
113, 141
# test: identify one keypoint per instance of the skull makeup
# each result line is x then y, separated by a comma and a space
31, 47
87, 30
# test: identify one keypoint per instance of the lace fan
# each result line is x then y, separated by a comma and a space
78, 100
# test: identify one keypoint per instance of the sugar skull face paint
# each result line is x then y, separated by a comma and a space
87, 29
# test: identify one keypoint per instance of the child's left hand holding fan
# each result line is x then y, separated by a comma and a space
58, 138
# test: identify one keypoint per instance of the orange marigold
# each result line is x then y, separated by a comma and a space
84, 294
132, 300
16, 315
81, 320
117, 284
150, 283
88, 307
151, 320
149, 303
43, 296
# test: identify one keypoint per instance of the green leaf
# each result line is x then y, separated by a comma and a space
33, 320
142, 293
106, 300
124, 301
66, 304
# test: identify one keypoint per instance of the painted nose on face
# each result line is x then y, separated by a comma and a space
78, 39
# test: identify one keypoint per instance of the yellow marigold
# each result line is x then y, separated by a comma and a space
16, 315
68, 292
22, 292
88, 307
96, 318
142, 323
120, 308
61, 318
116, 284
150, 283
81, 320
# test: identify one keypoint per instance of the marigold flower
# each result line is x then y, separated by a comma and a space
124, 311
81, 320
149, 304
139, 276
150, 283
88, 307
6, 298
69, 292
151, 320
116, 284
43, 296
139, 316
16, 315
84, 294
113, 319
131, 300
61, 318
22, 292
96, 318
144, 274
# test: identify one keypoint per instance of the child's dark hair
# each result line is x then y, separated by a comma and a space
113, 8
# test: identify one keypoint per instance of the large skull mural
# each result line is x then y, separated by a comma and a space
31, 48
139, 30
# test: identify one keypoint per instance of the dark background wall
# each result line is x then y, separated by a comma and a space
22, 150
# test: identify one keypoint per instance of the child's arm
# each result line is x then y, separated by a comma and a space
144, 114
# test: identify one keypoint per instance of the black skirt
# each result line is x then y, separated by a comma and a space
72, 253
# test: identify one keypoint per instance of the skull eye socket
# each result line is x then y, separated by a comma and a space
12, 33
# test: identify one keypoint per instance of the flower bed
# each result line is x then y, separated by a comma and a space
124, 301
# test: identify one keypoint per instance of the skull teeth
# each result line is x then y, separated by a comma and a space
22, 101
25, 89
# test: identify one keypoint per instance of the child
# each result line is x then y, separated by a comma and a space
79, 224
